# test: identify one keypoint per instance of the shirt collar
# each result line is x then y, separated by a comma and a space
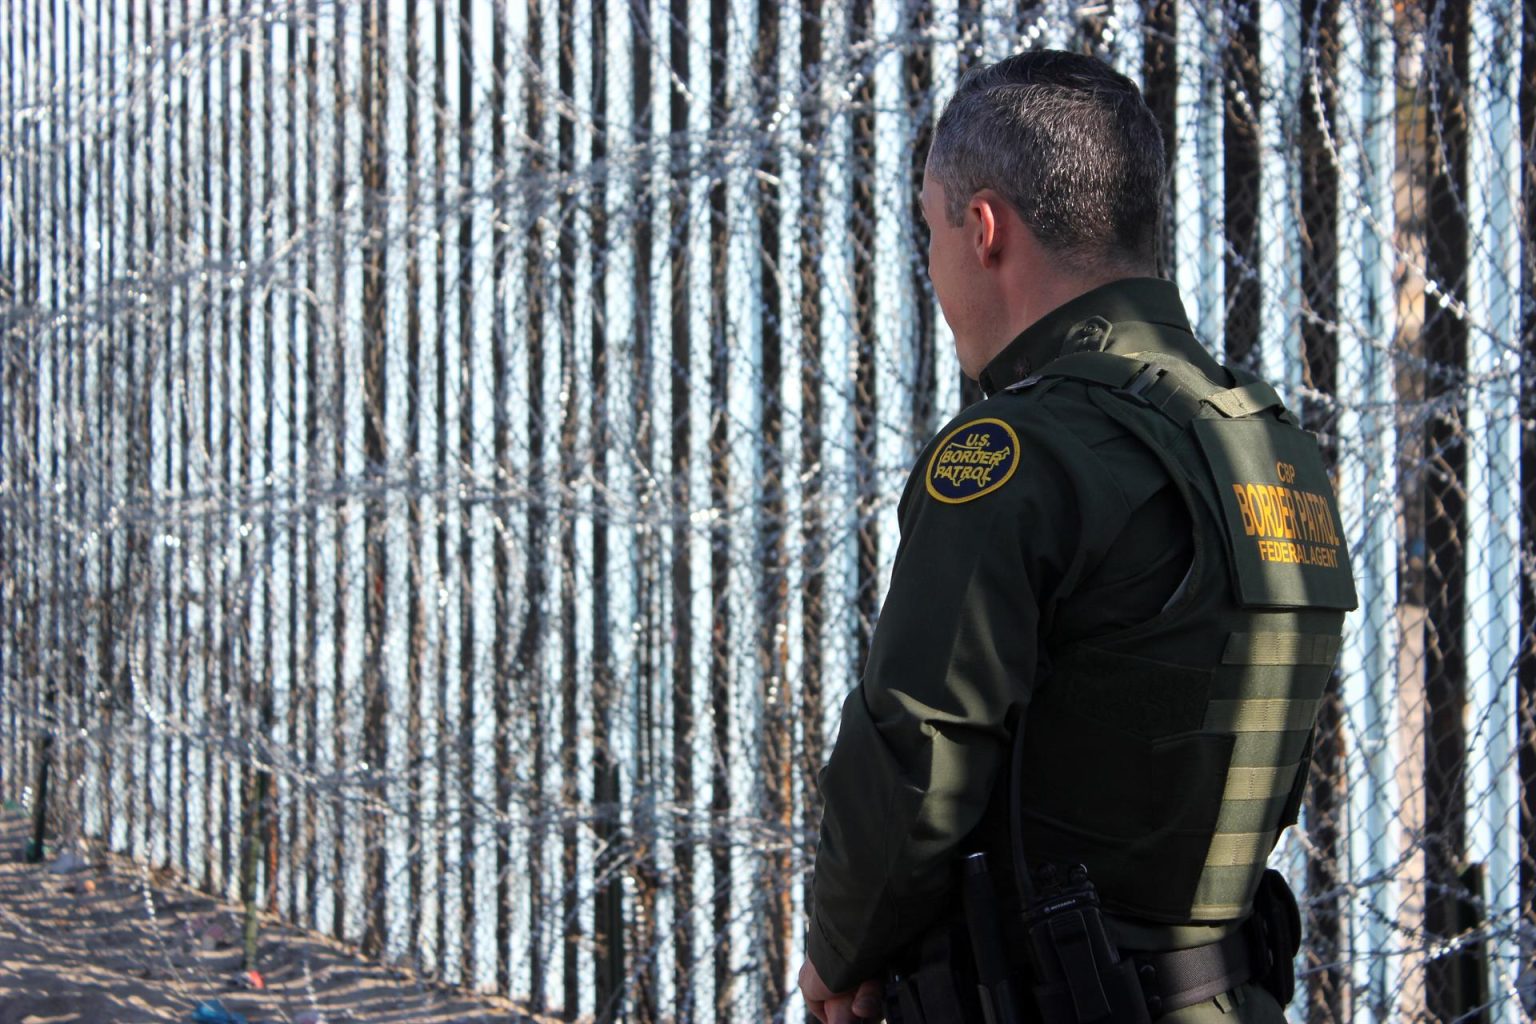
1145, 299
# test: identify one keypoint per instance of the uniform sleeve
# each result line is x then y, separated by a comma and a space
923, 737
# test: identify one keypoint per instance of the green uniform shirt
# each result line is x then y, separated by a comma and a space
1024, 525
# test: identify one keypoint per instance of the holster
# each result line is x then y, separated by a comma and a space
939, 986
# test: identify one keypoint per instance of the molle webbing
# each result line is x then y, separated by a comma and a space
1259, 783
1268, 754
1281, 649
1238, 849
1260, 715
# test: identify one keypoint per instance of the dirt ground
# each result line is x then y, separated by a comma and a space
84, 947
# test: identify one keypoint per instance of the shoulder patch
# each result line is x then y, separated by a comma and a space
975, 458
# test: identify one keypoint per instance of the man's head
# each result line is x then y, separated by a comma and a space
1057, 144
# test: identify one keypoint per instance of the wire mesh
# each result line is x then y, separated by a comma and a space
448, 453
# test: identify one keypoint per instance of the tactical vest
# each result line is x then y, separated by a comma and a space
1168, 757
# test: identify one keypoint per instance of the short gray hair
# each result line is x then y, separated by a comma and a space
1069, 143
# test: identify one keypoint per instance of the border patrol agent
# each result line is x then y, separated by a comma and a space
1114, 610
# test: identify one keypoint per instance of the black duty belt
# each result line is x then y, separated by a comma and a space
1184, 977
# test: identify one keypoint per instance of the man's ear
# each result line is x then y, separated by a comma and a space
990, 226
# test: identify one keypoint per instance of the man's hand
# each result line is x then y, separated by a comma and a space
862, 1003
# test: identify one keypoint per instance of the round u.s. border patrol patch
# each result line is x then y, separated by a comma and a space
974, 459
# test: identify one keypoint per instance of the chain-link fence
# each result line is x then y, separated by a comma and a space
448, 453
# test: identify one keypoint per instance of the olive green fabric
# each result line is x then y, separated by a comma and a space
1021, 593
1248, 1004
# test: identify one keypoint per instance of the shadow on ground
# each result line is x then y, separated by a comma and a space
108, 945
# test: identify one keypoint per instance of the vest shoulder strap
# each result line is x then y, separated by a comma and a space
1172, 386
